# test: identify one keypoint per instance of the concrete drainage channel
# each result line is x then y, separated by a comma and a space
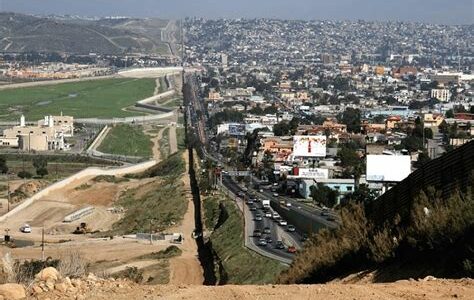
206, 254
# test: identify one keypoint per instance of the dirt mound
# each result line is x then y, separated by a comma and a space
27, 190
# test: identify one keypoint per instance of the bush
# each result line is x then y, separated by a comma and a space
25, 175
131, 273
72, 264
171, 251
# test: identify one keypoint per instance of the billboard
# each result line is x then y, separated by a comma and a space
237, 129
315, 173
388, 168
309, 146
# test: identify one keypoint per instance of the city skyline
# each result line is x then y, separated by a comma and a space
426, 11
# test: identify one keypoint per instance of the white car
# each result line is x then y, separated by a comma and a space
268, 214
283, 222
288, 204
25, 228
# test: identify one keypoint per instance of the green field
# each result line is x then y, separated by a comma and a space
103, 98
127, 140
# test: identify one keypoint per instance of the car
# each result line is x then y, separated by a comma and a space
275, 215
240, 194
331, 218
262, 242
267, 230
283, 222
291, 249
268, 214
324, 213
257, 233
288, 204
304, 237
280, 245
253, 208
258, 217
291, 228
260, 190
275, 194
268, 239
249, 202
275, 184
25, 228
277, 219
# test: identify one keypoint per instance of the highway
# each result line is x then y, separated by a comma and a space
305, 218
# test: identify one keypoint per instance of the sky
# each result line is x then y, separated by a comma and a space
428, 11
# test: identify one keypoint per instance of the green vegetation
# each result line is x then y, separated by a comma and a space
180, 136
103, 98
241, 265
436, 240
170, 252
159, 204
165, 144
127, 140
109, 178
171, 167
83, 187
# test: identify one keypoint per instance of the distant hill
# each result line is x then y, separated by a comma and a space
24, 33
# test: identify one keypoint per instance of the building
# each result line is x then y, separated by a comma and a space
341, 185
442, 95
47, 135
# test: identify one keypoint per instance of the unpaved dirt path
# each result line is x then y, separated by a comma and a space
156, 145
137, 264
173, 140
186, 269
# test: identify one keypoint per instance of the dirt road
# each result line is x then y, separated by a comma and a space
186, 269
173, 140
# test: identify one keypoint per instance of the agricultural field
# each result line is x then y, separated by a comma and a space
127, 140
104, 98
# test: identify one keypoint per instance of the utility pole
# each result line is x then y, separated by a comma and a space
8, 191
42, 243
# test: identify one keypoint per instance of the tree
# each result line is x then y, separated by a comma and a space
40, 163
351, 118
282, 128
450, 114
362, 195
324, 194
428, 133
3, 165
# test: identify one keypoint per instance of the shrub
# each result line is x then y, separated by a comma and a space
72, 264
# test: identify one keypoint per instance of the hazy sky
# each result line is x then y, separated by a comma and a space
432, 11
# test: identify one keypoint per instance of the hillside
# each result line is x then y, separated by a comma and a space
24, 33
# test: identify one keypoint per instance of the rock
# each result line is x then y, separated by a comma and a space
429, 278
61, 287
12, 291
49, 273
67, 281
37, 289
92, 277
80, 297
50, 284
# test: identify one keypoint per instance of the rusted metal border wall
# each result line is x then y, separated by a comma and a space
451, 171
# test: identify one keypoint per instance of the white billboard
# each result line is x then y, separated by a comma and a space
309, 146
315, 173
388, 168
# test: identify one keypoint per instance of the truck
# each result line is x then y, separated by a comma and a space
266, 203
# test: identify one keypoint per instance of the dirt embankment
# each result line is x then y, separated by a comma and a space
407, 290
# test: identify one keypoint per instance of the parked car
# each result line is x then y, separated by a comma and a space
257, 233
267, 230
262, 242
25, 228
291, 249
291, 228
280, 245
283, 222
269, 240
